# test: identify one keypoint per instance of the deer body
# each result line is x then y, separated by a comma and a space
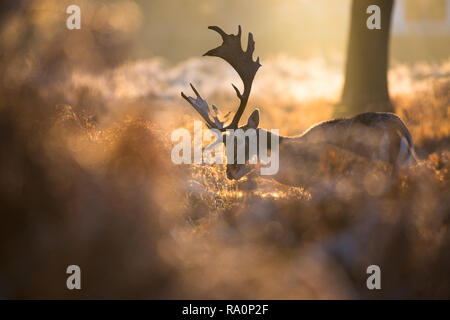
303, 160
370, 137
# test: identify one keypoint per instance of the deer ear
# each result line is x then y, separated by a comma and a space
253, 120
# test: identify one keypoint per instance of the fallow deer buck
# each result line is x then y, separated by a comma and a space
371, 136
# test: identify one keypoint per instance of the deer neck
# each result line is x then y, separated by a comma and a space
270, 136
294, 167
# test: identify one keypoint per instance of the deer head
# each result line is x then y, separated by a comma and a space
242, 61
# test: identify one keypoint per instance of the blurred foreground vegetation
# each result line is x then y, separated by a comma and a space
87, 180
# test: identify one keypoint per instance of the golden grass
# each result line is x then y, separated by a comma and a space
100, 191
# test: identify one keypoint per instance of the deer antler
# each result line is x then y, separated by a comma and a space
242, 61
202, 107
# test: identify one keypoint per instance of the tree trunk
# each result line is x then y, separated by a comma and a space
365, 87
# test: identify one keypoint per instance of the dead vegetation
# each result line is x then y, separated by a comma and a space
98, 189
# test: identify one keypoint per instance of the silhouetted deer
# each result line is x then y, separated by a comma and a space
373, 136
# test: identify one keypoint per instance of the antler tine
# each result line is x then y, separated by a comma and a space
219, 31
250, 45
242, 61
238, 93
223, 34
195, 90
201, 106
